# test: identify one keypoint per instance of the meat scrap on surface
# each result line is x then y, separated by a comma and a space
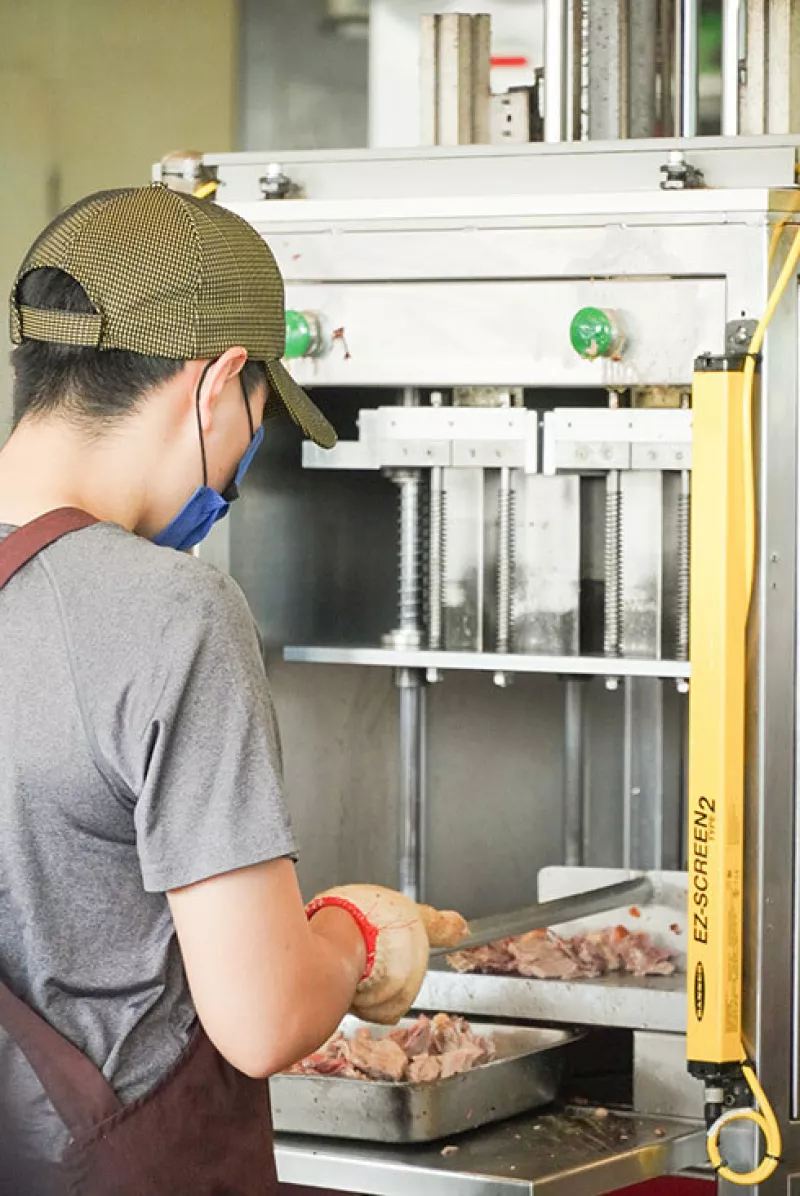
427, 1050
547, 956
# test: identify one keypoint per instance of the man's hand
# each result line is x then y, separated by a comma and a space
398, 933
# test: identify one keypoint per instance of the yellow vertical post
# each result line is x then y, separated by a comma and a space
718, 613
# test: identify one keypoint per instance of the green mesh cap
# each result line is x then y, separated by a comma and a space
169, 276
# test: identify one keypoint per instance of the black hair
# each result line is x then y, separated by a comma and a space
96, 387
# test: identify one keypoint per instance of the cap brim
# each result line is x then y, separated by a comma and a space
304, 413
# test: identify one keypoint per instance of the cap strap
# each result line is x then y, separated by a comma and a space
63, 327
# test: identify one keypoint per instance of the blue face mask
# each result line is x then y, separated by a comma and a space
205, 507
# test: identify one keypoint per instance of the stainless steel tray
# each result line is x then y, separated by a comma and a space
524, 1076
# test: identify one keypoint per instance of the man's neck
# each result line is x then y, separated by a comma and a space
50, 463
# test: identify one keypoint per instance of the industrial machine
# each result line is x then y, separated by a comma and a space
534, 618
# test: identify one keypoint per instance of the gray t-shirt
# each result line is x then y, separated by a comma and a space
138, 753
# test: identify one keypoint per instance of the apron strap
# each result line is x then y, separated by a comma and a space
23, 544
78, 1091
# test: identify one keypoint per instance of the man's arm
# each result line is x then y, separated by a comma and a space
269, 986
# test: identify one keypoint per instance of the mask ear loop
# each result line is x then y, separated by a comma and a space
246, 398
200, 422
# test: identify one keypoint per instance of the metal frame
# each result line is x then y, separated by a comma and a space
521, 234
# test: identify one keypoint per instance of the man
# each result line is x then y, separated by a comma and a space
156, 958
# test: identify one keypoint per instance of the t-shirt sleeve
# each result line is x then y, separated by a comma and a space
211, 798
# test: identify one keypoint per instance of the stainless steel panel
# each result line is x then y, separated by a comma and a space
574, 1153
642, 563
579, 167
598, 438
454, 79
771, 859
295, 530
547, 591
662, 1085
524, 1076
643, 798
783, 94
627, 1002
517, 242
464, 597
461, 334
495, 762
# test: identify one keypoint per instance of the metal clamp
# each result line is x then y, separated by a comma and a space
680, 175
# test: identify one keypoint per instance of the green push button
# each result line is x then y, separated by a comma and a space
299, 336
595, 332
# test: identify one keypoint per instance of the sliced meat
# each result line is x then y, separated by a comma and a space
546, 956
378, 1058
641, 957
415, 1039
424, 1069
462, 1059
424, 1051
599, 948
493, 959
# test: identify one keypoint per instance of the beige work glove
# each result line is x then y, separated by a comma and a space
398, 935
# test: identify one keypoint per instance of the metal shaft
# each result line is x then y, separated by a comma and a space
613, 565
436, 556
684, 499
506, 560
573, 774
642, 20
413, 795
686, 63
556, 62
731, 15
551, 913
410, 563
667, 34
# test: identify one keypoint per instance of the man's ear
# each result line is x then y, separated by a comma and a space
222, 370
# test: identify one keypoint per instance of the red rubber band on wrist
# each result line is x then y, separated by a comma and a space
369, 933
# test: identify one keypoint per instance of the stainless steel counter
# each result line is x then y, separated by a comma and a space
628, 1002
575, 1152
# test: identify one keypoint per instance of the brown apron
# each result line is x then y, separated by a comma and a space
205, 1128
